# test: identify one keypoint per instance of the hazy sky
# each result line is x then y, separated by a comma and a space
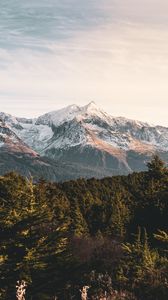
55, 53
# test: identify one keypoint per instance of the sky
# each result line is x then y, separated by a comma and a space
54, 53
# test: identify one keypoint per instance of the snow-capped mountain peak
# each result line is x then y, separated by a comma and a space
74, 125
59, 116
86, 135
93, 110
91, 107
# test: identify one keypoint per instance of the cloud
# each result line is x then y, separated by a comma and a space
113, 52
27, 23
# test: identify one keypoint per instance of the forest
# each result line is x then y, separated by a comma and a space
110, 235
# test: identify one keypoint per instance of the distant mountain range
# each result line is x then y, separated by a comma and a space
78, 142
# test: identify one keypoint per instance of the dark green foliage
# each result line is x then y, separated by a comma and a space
110, 234
156, 168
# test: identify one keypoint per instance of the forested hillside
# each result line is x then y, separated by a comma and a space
109, 234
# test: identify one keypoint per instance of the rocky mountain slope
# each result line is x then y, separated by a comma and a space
88, 140
16, 155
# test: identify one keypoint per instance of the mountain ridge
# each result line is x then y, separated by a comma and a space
88, 137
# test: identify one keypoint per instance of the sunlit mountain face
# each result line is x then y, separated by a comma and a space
78, 141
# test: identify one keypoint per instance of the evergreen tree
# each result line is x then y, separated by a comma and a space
156, 168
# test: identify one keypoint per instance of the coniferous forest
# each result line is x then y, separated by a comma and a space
110, 235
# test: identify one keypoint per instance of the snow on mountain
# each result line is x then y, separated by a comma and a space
10, 120
36, 136
58, 117
42, 134
15, 155
118, 132
71, 112
25, 120
10, 142
76, 125
89, 136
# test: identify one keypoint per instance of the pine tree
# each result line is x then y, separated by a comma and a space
119, 217
156, 168
78, 226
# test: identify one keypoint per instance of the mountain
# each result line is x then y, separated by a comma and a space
10, 142
16, 155
86, 141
